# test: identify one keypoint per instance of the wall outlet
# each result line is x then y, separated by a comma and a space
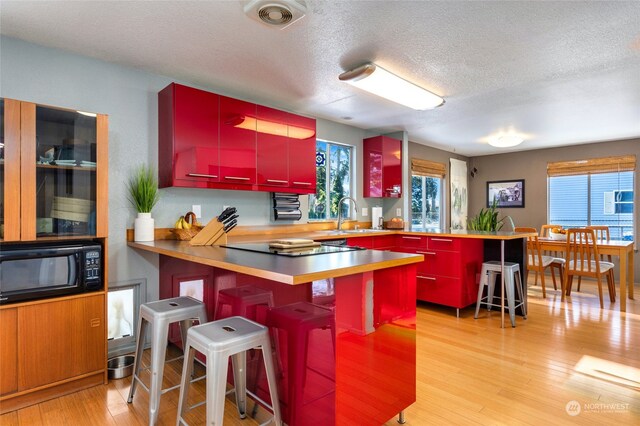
197, 209
365, 212
399, 212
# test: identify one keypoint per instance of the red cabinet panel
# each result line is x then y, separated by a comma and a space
188, 137
382, 167
366, 242
238, 129
302, 154
406, 241
448, 274
444, 243
384, 242
272, 147
441, 290
212, 141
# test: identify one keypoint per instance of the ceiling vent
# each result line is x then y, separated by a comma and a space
278, 13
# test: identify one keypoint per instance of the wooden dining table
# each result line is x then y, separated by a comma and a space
622, 249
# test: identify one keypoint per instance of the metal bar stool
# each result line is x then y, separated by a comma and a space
219, 340
160, 315
512, 281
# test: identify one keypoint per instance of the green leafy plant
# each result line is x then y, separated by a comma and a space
143, 189
486, 220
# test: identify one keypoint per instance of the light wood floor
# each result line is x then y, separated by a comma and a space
469, 371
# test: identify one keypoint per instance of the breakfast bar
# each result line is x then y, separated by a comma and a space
343, 323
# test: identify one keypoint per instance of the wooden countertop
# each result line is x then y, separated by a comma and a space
288, 270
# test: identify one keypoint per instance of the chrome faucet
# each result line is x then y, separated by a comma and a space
355, 208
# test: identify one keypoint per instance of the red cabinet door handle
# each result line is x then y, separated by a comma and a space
442, 239
426, 278
201, 175
277, 181
236, 178
302, 183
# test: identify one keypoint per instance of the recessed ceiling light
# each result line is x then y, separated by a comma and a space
375, 79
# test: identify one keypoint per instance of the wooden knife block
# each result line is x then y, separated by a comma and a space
211, 235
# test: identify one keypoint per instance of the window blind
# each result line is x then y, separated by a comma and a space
421, 167
625, 163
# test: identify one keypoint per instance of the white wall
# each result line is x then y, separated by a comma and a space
42, 75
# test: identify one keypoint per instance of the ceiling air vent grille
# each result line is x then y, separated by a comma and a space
275, 13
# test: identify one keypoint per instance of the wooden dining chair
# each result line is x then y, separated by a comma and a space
583, 260
536, 261
602, 234
558, 262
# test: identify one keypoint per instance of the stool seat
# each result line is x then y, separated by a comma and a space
218, 341
512, 283
243, 301
160, 314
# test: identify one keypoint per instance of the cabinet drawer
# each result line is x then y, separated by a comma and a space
440, 290
444, 243
442, 263
407, 241
384, 242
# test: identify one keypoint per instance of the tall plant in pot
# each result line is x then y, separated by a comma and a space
143, 194
487, 219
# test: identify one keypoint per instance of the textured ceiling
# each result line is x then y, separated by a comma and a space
560, 72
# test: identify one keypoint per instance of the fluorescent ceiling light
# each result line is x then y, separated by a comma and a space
271, 127
377, 80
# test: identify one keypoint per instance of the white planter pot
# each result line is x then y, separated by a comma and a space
143, 227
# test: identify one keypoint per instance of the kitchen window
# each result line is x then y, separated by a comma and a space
426, 202
593, 194
334, 169
426, 195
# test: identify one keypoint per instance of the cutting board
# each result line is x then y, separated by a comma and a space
294, 245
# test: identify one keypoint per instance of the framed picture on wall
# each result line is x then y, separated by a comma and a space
506, 193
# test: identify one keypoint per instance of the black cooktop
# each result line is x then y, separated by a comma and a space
293, 252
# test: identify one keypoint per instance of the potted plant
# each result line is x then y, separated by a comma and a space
143, 194
487, 219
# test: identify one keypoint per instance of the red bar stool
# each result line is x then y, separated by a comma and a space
244, 301
298, 320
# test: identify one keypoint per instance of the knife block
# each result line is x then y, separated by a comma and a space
211, 235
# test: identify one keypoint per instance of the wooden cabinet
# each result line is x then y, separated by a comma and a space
382, 159
213, 141
54, 183
61, 347
8, 351
61, 339
53, 172
188, 136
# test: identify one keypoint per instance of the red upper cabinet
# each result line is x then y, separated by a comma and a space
302, 154
272, 147
188, 137
382, 167
238, 129
212, 141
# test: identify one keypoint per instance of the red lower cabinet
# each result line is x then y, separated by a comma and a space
447, 276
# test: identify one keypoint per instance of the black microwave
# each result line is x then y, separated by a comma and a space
40, 270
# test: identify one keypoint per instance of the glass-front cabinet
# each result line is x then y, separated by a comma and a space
54, 184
